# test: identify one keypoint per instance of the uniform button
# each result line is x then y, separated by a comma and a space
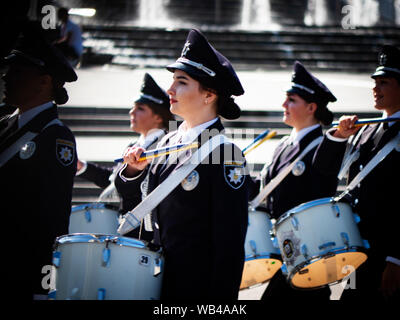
355, 201
361, 167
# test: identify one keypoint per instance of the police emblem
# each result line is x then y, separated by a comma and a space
290, 247
185, 49
65, 151
382, 59
191, 181
27, 150
234, 173
299, 168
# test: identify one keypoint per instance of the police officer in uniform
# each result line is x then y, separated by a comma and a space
202, 223
150, 117
375, 198
305, 109
37, 162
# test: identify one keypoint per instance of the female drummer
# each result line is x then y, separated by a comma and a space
149, 116
375, 198
305, 109
202, 223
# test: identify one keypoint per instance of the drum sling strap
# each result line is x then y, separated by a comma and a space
16, 146
277, 180
392, 144
132, 219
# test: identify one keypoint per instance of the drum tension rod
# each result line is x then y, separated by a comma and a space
106, 253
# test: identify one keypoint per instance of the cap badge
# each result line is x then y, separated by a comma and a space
185, 49
27, 150
382, 59
191, 181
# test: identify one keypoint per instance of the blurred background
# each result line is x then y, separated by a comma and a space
338, 40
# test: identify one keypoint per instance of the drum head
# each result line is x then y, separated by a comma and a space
327, 270
258, 271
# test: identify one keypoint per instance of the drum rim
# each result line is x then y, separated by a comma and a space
297, 268
100, 238
302, 207
275, 256
93, 205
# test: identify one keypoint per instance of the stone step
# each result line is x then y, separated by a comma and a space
330, 48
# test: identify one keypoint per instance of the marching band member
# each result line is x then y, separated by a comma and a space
202, 223
150, 117
375, 198
37, 162
305, 109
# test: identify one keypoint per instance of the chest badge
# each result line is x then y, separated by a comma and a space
299, 168
27, 150
191, 181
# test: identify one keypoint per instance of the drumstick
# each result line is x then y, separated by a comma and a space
364, 122
254, 145
259, 137
164, 151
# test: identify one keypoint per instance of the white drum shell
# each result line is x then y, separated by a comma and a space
258, 237
84, 274
262, 258
93, 218
317, 229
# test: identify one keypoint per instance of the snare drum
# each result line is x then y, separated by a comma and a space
320, 243
105, 267
95, 217
263, 258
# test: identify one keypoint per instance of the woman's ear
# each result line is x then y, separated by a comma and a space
210, 97
312, 107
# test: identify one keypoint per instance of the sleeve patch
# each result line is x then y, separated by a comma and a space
234, 173
65, 151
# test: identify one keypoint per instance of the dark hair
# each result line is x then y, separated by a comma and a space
322, 113
163, 112
60, 94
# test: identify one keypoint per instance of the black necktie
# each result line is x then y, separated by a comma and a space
380, 132
288, 148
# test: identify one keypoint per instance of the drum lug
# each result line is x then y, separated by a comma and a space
88, 216
284, 269
356, 217
157, 267
275, 242
106, 254
326, 245
253, 246
304, 250
366, 244
295, 222
345, 238
56, 258
336, 210
101, 294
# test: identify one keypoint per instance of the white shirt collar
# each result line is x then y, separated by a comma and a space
296, 136
189, 135
153, 134
394, 115
25, 117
